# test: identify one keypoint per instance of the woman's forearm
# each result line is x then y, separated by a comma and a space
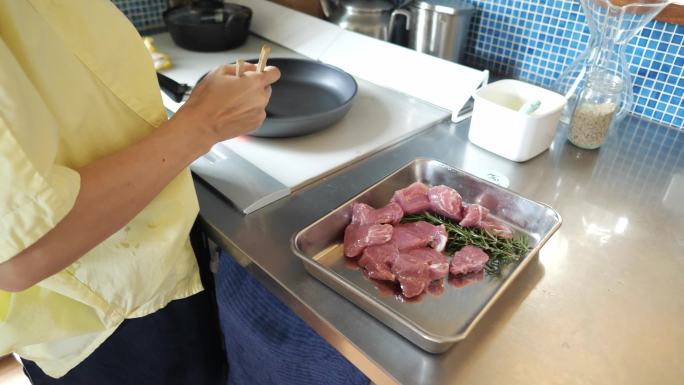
113, 190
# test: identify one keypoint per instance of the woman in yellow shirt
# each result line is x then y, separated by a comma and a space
96, 202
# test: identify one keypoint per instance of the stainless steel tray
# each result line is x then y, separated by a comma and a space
433, 322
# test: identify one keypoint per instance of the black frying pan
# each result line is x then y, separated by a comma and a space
310, 96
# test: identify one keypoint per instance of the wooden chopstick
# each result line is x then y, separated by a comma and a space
239, 67
263, 57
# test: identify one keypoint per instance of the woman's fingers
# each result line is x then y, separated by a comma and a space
250, 66
229, 69
225, 69
271, 74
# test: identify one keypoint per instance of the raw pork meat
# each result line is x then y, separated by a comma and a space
363, 214
419, 234
469, 259
497, 228
412, 273
438, 264
378, 260
474, 215
445, 201
358, 237
413, 199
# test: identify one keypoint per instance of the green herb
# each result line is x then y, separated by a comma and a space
501, 251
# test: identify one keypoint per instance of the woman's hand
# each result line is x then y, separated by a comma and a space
224, 106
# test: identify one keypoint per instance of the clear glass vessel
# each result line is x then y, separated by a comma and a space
612, 23
595, 110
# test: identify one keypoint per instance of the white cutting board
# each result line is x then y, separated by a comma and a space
378, 118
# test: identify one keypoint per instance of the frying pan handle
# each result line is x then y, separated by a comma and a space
176, 91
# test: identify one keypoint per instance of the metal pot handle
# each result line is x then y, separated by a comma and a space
244, 24
401, 12
328, 6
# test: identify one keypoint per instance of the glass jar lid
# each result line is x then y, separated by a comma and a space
604, 81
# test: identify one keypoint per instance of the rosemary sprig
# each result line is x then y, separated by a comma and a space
501, 251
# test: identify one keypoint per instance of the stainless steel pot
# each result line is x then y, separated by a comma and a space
438, 28
369, 17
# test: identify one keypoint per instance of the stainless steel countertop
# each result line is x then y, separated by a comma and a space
602, 304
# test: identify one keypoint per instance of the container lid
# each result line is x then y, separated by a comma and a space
449, 7
368, 6
205, 13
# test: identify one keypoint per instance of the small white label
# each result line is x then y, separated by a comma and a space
496, 178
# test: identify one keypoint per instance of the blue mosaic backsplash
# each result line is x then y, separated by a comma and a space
146, 15
535, 40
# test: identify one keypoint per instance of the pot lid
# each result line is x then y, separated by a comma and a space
368, 6
449, 7
206, 13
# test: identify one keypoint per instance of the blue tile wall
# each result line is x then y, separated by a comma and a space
535, 40
146, 15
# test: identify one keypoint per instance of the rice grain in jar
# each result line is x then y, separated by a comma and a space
595, 110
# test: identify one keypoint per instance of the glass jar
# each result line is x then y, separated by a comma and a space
612, 24
595, 109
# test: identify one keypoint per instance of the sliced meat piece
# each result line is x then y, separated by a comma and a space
391, 213
412, 273
474, 215
363, 214
378, 260
440, 238
445, 201
469, 259
405, 237
437, 262
413, 199
497, 228
419, 234
358, 237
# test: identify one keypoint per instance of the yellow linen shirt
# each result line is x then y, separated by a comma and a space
77, 84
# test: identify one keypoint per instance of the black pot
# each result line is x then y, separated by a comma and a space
208, 26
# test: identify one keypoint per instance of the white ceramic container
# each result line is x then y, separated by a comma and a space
498, 127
